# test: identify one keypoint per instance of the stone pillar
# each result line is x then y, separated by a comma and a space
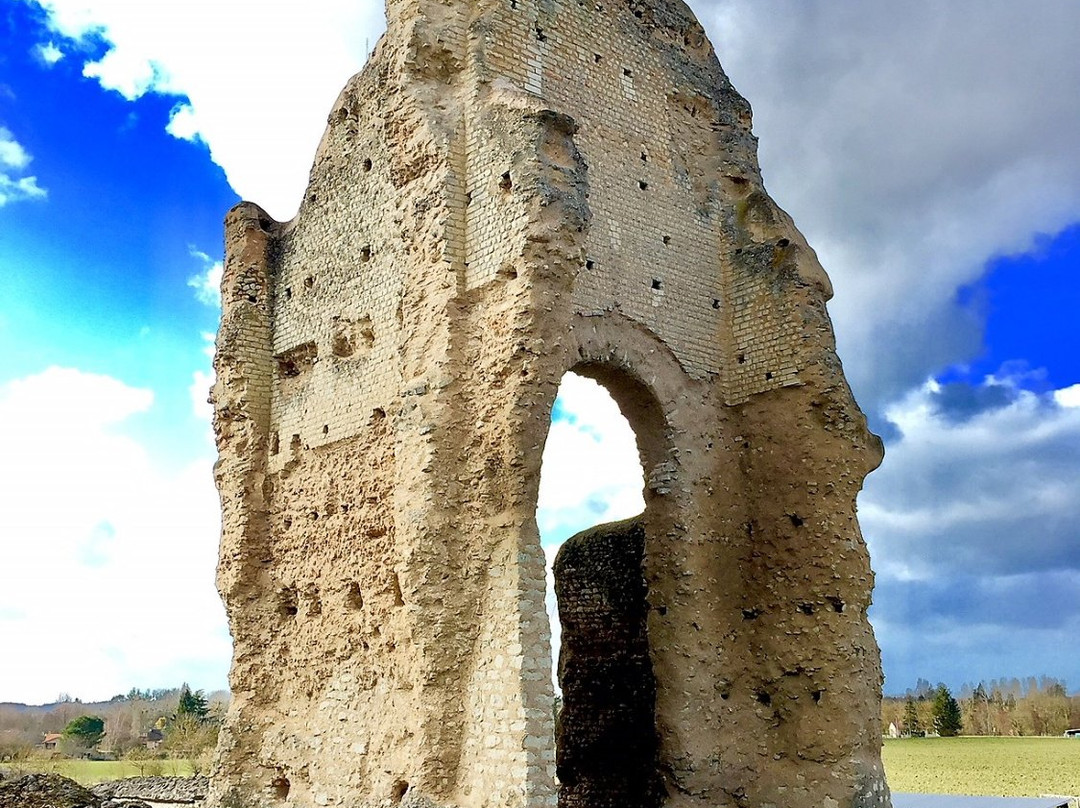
606, 732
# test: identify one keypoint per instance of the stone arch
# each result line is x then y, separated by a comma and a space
641, 374
607, 737
641, 408
605, 733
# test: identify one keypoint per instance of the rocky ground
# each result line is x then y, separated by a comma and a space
38, 790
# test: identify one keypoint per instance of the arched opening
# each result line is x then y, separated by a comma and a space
590, 513
591, 470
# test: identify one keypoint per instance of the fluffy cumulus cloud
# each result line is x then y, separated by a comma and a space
104, 551
973, 532
12, 154
912, 142
15, 184
49, 53
257, 80
183, 123
963, 480
1069, 396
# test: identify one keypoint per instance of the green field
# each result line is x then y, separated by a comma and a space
1013, 767
91, 772
998, 767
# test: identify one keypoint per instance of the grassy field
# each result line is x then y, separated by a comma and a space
91, 772
999, 767
1013, 767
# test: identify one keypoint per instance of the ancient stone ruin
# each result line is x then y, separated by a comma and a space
511, 190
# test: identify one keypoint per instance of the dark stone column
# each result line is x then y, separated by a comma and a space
606, 742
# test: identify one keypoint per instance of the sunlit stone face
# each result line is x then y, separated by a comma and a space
509, 192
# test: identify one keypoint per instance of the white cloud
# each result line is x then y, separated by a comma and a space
14, 158
972, 530
912, 142
183, 124
14, 190
108, 558
208, 343
259, 83
985, 492
207, 284
201, 382
12, 154
591, 473
127, 72
49, 53
1068, 397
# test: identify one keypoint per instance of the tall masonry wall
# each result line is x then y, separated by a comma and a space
510, 190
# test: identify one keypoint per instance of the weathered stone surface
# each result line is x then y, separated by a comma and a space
171, 790
44, 791
510, 190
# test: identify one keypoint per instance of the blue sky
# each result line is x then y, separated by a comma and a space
95, 272
928, 153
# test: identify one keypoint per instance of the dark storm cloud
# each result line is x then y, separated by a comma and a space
958, 402
972, 527
992, 493
963, 650
1011, 602
912, 142
970, 628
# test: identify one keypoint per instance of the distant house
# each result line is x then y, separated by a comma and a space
50, 740
894, 731
153, 739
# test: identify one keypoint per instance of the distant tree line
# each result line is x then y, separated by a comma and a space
144, 725
1032, 706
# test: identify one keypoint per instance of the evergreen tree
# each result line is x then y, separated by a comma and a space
85, 732
192, 703
912, 727
946, 713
